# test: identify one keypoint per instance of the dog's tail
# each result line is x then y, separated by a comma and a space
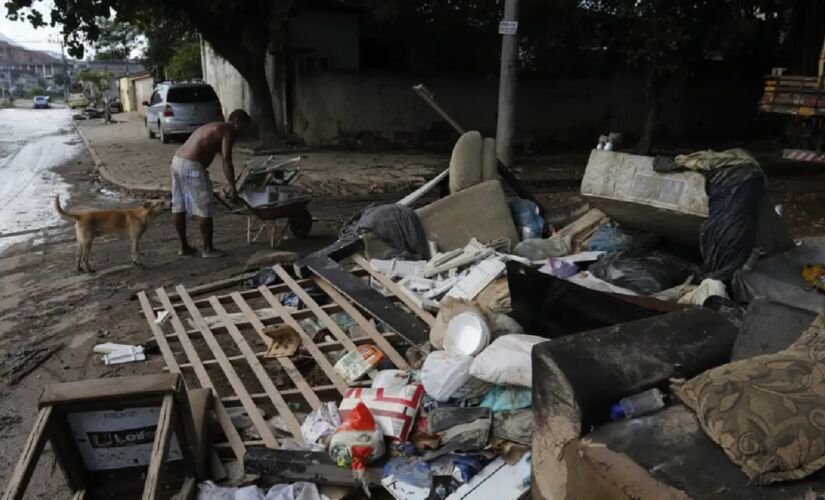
66, 215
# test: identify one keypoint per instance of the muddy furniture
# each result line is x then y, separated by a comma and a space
662, 456
576, 378
119, 436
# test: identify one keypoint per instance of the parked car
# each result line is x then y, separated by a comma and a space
180, 108
77, 101
115, 106
41, 102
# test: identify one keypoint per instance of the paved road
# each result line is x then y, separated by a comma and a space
32, 144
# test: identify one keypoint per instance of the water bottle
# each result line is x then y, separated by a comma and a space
638, 405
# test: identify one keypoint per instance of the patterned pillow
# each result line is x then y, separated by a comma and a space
767, 412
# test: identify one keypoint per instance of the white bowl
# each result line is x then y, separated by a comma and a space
467, 335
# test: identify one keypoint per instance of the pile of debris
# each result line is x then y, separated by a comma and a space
465, 349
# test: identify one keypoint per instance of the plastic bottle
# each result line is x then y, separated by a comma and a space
638, 405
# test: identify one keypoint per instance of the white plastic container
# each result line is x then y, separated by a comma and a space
467, 335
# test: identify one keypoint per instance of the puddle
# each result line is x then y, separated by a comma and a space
32, 143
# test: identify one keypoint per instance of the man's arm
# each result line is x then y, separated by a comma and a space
228, 168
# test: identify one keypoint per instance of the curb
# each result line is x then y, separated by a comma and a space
107, 176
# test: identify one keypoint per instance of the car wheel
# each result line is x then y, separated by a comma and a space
164, 138
300, 225
148, 130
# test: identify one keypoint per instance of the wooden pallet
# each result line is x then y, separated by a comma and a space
232, 322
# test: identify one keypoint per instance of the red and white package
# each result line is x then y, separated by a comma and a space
394, 409
357, 442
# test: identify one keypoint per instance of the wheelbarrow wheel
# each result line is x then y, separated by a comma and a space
300, 225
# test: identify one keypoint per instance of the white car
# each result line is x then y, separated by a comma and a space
180, 108
41, 102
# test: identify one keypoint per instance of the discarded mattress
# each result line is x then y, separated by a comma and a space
779, 278
629, 191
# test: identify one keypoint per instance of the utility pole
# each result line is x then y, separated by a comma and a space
508, 29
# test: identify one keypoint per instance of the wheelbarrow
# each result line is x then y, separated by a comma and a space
294, 210
277, 175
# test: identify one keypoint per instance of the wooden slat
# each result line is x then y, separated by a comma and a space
187, 491
224, 419
310, 346
242, 324
289, 367
79, 495
288, 392
313, 306
382, 278
263, 428
247, 294
365, 325
324, 346
16, 488
275, 397
160, 449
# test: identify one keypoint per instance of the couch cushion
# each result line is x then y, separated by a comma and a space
480, 211
767, 412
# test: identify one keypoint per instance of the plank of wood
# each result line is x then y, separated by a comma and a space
289, 367
426, 188
263, 428
285, 393
393, 287
308, 344
160, 448
214, 285
224, 419
16, 488
79, 495
247, 294
275, 397
412, 328
187, 491
369, 328
332, 345
313, 306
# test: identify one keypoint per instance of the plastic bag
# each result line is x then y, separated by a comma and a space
559, 268
393, 410
507, 361
539, 249
644, 271
609, 238
706, 289
527, 217
728, 235
443, 374
319, 424
357, 442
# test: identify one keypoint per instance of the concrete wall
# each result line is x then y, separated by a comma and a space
232, 89
352, 109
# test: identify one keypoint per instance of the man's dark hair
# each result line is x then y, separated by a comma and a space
241, 116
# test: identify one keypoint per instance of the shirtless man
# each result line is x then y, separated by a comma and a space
191, 186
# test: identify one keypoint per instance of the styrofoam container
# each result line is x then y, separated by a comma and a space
467, 335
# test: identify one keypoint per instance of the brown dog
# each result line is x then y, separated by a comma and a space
132, 222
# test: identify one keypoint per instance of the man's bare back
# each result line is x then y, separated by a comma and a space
204, 143
191, 186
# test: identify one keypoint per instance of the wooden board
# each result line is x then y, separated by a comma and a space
24, 469
160, 449
261, 425
224, 420
253, 349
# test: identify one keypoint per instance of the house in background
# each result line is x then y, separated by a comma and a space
134, 89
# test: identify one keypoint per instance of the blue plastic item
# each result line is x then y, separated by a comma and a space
527, 217
501, 398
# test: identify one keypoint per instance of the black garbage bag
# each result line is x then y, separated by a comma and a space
727, 237
643, 271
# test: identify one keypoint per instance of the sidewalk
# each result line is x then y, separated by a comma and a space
128, 158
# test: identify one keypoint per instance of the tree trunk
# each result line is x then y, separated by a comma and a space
262, 97
652, 93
